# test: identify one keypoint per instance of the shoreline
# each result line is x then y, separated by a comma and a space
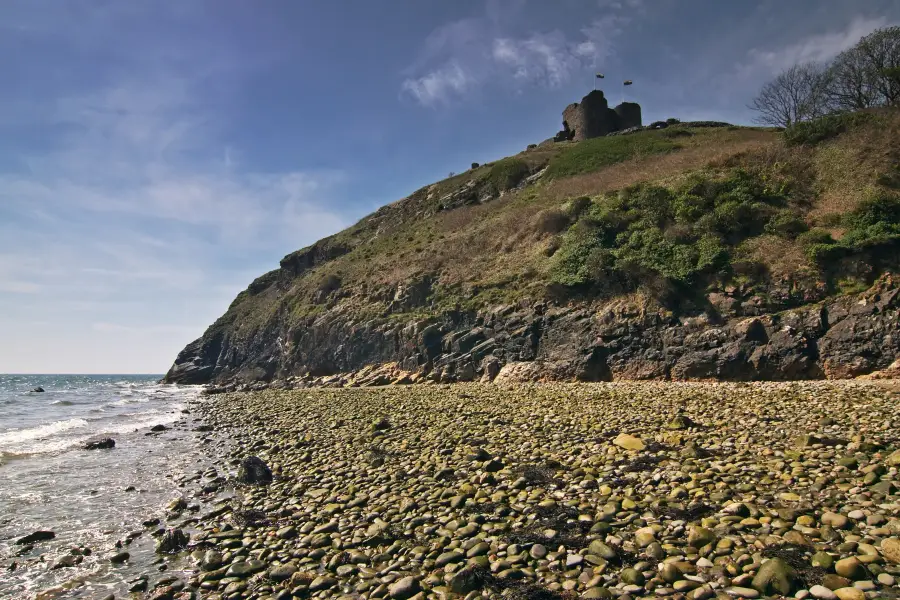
739, 490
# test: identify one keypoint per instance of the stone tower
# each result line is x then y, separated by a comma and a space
592, 118
629, 114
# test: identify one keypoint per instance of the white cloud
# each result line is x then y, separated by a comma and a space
440, 85
816, 48
473, 53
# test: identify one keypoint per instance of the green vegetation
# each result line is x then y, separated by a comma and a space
594, 154
678, 234
506, 174
874, 224
732, 209
825, 128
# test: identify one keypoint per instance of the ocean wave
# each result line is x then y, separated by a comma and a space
146, 422
17, 436
62, 403
126, 402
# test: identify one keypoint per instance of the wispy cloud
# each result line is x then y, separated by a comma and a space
439, 85
815, 48
461, 57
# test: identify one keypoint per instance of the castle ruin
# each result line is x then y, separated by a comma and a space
592, 118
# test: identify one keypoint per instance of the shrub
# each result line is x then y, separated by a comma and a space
551, 221
673, 121
506, 174
475, 165
675, 237
815, 236
880, 210
822, 129
576, 207
786, 224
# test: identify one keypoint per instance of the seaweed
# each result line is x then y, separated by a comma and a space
691, 513
797, 556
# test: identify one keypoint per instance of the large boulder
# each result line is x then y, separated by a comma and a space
253, 471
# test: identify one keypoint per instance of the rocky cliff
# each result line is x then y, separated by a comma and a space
683, 254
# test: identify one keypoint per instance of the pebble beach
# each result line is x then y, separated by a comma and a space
624, 490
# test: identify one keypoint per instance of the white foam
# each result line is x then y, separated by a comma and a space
17, 436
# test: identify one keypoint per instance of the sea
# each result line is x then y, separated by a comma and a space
91, 499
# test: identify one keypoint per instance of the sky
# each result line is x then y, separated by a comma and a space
158, 155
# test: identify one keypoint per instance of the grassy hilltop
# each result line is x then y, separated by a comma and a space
666, 213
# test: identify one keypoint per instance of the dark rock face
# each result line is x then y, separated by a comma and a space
104, 444
736, 339
254, 471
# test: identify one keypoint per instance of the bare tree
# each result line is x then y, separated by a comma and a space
850, 82
797, 94
881, 50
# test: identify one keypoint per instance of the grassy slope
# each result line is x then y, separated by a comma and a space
483, 252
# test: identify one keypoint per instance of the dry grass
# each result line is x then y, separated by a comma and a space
847, 168
781, 257
701, 150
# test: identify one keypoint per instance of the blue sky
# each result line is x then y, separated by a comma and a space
158, 155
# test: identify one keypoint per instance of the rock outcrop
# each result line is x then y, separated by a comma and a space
737, 340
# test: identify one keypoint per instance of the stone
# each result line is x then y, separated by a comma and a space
281, 572
101, 444
211, 560
632, 576
119, 558
598, 548
449, 557
893, 460
172, 541
890, 550
822, 593
286, 533
466, 580
322, 582
700, 536
404, 588
838, 521
628, 442
833, 582
253, 471
850, 568
775, 576
34, 537
38, 390
850, 593
66, 562
741, 592
158, 428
